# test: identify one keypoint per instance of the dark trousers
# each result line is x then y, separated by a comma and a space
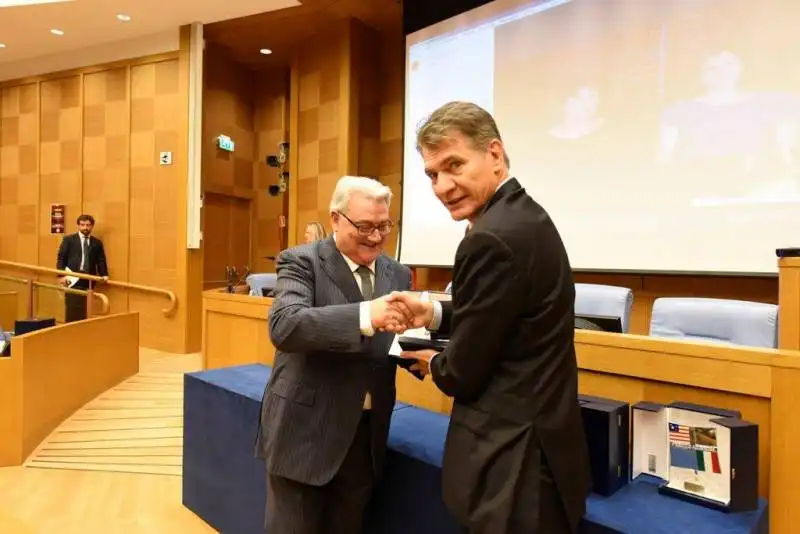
335, 508
549, 518
75, 305
552, 514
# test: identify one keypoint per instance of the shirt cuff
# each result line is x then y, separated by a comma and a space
436, 321
365, 319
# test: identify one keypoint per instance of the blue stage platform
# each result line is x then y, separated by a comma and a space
225, 485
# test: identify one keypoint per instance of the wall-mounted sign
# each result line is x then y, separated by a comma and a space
225, 143
57, 218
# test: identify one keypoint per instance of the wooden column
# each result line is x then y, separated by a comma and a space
789, 304
334, 119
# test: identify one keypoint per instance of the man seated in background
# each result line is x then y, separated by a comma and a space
81, 253
326, 409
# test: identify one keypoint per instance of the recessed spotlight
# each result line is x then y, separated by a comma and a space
123, 17
2, 45
265, 51
56, 31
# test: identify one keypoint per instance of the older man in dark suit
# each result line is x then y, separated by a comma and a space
515, 459
326, 409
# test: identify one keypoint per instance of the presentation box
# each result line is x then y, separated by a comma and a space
701, 454
606, 423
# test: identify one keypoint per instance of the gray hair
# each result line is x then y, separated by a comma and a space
370, 188
466, 118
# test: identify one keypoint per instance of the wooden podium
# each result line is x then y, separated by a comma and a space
789, 304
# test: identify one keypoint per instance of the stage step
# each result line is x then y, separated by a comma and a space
135, 427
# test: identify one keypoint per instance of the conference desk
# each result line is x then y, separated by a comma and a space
763, 384
235, 329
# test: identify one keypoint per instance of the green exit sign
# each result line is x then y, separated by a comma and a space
225, 143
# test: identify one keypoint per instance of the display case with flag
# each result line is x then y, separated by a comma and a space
702, 454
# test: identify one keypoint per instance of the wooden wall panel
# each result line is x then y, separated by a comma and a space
392, 94
106, 168
154, 187
230, 235
365, 59
322, 127
338, 124
271, 123
240, 218
90, 139
228, 180
19, 171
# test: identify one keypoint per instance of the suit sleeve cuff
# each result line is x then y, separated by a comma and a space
436, 322
365, 319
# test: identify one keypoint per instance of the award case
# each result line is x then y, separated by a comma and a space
701, 454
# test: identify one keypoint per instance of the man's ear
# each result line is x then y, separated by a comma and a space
497, 152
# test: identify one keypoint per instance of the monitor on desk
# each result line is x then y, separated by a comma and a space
601, 323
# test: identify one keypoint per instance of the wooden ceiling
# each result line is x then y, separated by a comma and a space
281, 31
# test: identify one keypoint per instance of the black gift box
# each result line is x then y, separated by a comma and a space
606, 424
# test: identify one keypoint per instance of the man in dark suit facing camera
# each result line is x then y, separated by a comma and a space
516, 459
326, 408
81, 253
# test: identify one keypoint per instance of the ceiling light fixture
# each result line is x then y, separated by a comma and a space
123, 17
18, 3
2, 45
265, 51
56, 31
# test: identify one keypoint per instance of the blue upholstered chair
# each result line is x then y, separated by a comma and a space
259, 281
611, 301
717, 320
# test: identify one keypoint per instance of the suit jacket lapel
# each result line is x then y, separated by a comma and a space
338, 270
383, 276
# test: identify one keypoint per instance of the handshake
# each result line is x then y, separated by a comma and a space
398, 312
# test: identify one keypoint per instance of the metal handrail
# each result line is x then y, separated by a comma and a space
35, 283
173, 300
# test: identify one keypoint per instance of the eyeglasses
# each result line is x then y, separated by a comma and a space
367, 229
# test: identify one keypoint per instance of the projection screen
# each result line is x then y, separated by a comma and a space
660, 135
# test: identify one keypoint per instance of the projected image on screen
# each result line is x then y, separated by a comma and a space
659, 135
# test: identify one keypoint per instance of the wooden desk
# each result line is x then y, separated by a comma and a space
235, 329
53, 372
8, 309
763, 384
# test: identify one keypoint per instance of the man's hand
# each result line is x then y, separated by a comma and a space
423, 358
417, 313
382, 315
62, 280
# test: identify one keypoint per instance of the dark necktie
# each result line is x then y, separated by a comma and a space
366, 281
85, 262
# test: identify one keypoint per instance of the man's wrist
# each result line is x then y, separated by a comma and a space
435, 319
365, 319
